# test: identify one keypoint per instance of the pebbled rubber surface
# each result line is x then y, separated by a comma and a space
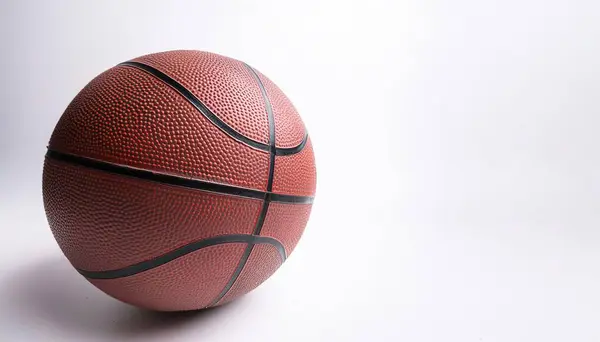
286, 222
296, 174
186, 283
264, 260
127, 117
107, 221
104, 221
223, 84
289, 128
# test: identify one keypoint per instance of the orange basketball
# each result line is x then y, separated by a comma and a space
179, 180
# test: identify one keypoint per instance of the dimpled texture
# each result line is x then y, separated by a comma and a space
296, 174
286, 222
264, 260
223, 84
104, 221
126, 116
289, 128
187, 283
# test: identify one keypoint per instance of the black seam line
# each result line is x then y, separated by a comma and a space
181, 251
234, 276
267, 199
191, 98
261, 218
272, 151
244, 259
271, 118
201, 107
174, 180
286, 151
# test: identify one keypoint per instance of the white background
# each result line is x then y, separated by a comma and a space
457, 153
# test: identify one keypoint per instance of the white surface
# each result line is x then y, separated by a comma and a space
457, 148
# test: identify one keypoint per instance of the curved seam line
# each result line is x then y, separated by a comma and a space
267, 199
162, 178
207, 113
182, 251
286, 151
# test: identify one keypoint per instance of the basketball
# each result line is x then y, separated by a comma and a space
179, 180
